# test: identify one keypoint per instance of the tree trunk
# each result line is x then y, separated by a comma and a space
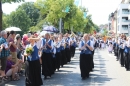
0, 15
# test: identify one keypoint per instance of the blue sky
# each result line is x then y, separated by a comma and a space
99, 9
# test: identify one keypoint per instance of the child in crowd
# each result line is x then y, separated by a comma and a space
102, 44
110, 48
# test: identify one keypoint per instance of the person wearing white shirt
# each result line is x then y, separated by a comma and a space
67, 48
92, 62
73, 46
62, 48
122, 46
86, 48
127, 54
57, 44
47, 68
32, 65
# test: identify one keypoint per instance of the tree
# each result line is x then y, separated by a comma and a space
31, 11
4, 20
53, 9
5, 1
20, 19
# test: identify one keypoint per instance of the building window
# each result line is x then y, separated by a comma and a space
125, 11
125, 19
125, 27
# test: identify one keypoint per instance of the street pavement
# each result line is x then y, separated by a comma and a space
107, 72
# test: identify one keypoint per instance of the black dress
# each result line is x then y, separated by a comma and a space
33, 70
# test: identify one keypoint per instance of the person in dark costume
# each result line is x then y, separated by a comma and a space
32, 65
127, 55
67, 48
62, 48
85, 56
47, 68
73, 46
57, 44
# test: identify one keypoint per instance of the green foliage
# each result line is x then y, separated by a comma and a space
19, 19
33, 29
4, 20
89, 27
32, 16
9, 1
105, 32
31, 11
53, 9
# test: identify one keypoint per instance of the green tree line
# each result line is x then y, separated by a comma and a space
31, 16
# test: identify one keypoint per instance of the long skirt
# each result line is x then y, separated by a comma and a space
119, 53
47, 68
72, 51
63, 57
85, 65
53, 65
92, 62
127, 61
58, 60
67, 50
33, 73
122, 57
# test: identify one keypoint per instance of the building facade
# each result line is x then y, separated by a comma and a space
122, 18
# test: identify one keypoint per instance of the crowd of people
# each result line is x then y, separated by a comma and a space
50, 52
121, 47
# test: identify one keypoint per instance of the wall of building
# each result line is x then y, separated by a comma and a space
120, 14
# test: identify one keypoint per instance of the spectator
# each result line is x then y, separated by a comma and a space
12, 68
4, 54
19, 46
13, 46
25, 40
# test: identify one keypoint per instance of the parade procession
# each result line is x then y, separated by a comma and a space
64, 42
44, 54
55, 51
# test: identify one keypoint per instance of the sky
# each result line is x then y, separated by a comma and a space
99, 9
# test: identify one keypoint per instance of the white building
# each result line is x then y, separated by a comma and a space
123, 18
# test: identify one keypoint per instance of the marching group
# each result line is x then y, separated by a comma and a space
50, 52
53, 51
121, 47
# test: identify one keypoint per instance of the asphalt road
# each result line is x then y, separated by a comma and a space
107, 72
